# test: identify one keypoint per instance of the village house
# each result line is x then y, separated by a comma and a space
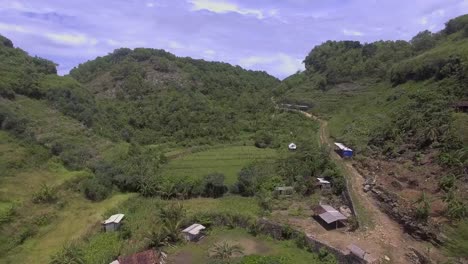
113, 222
193, 232
329, 216
343, 151
285, 190
323, 184
461, 106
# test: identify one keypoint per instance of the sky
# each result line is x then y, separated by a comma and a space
269, 35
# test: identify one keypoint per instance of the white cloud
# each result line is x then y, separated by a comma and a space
223, 7
423, 21
13, 28
439, 12
71, 39
209, 52
18, 6
349, 32
279, 64
175, 45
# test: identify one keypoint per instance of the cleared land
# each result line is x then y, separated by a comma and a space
197, 253
227, 160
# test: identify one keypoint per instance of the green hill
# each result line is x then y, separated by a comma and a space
393, 102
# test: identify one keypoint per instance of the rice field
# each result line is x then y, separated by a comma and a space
228, 160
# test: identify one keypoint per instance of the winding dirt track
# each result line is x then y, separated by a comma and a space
385, 237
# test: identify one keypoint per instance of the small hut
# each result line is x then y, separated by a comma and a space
329, 216
113, 222
323, 184
343, 150
461, 106
193, 232
292, 146
284, 190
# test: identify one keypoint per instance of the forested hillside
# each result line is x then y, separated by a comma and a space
74, 147
151, 96
395, 103
142, 127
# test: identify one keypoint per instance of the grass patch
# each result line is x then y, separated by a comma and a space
259, 245
227, 160
72, 222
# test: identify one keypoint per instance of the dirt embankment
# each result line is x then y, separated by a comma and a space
386, 236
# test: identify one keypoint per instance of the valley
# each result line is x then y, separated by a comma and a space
172, 141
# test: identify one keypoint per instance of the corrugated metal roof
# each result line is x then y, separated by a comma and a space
322, 180
342, 146
114, 219
331, 214
330, 217
193, 229
328, 208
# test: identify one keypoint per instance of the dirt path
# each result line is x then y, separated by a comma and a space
385, 236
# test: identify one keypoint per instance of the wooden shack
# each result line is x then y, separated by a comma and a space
112, 223
284, 190
193, 232
329, 216
323, 184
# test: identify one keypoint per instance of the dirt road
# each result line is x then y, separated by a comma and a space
384, 237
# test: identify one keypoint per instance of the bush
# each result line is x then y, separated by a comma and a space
95, 190
102, 248
263, 139
7, 215
70, 254
46, 194
447, 182
214, 185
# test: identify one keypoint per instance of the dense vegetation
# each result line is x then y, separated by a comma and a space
151, 96
395, 101
108, 126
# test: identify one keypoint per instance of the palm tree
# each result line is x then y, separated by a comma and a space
157, 238
224, 250
70, 254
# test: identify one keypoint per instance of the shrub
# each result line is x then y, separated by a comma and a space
422, 208
214, 185
46, 194
447, 182
95, 190
263, 139
456, 209
70, 254
7, 214
102, 248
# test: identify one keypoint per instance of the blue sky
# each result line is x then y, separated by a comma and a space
270, 35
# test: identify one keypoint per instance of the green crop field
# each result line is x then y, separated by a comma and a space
227, 160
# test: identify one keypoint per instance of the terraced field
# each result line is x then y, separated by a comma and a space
227, 160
